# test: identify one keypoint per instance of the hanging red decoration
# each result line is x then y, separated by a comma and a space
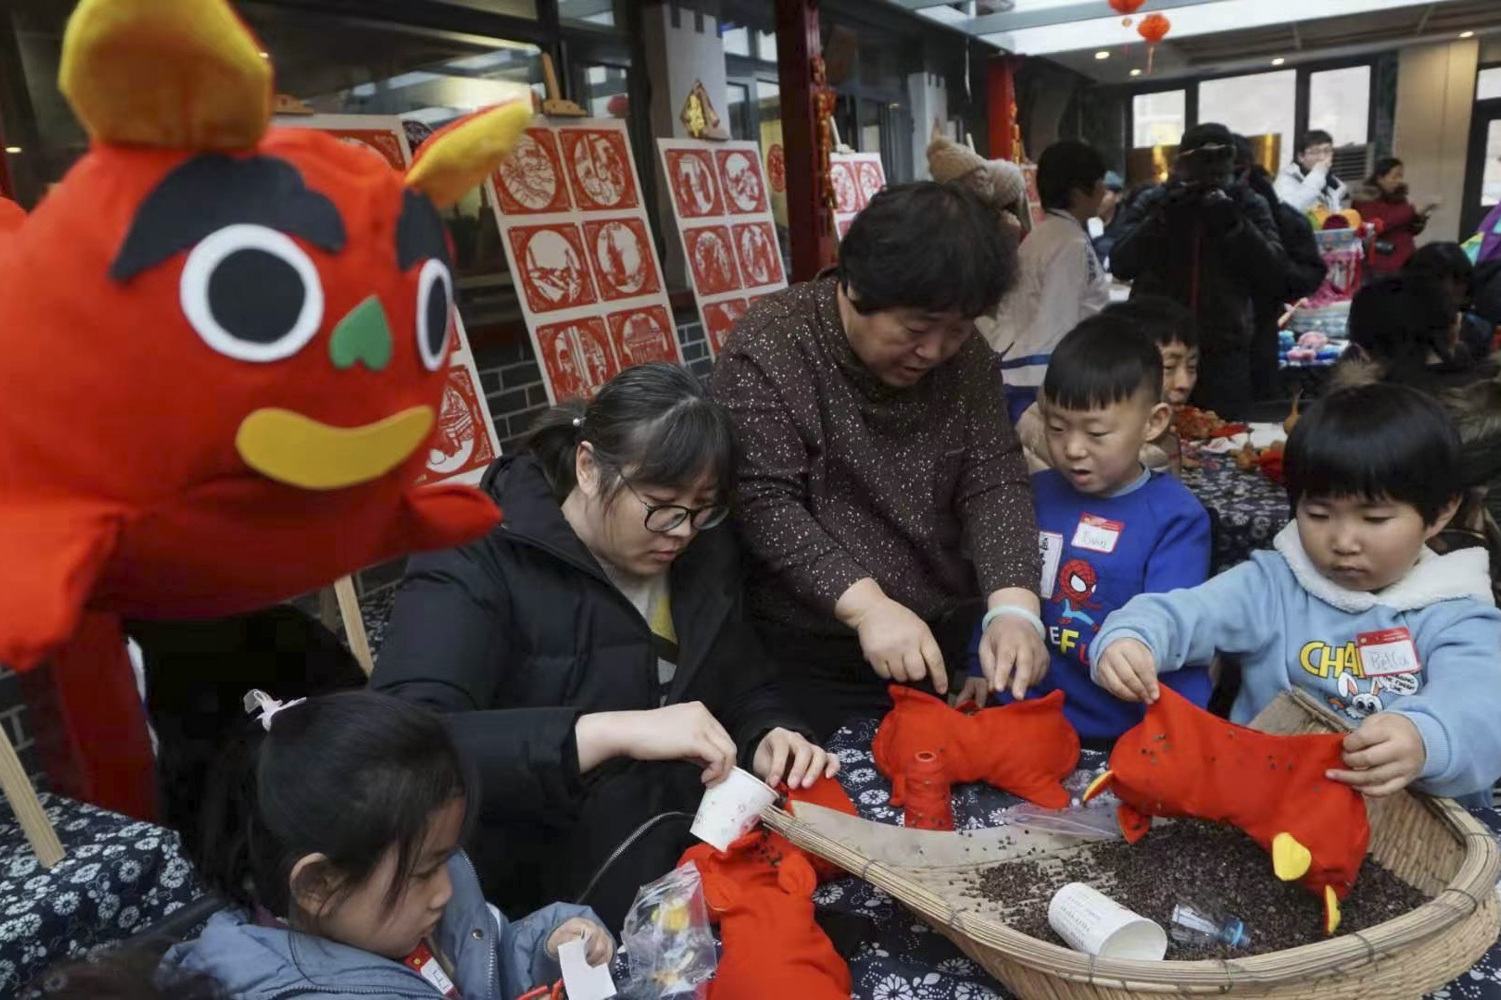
1153, 28
1126, 6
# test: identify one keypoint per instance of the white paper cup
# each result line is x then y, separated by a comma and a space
1094, 923
729, 809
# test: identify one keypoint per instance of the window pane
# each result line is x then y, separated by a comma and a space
736, 41
1490, 188
737, 110
1262, 104
1339, 102
1159, 118
1489, 85
588, 11
766, 46
605, 89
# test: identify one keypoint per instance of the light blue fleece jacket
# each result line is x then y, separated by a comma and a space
1292, 627
493, 959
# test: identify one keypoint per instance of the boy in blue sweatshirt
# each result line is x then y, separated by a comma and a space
1109, 528
1352, 606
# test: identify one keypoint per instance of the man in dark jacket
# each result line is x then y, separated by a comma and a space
1304, 273
519, 635
1212, 245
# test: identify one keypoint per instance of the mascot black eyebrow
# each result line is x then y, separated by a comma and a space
223, 343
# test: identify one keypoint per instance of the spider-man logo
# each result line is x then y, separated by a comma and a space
1077, 581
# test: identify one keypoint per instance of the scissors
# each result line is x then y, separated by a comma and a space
553, 992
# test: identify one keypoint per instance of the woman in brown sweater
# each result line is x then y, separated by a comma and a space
883, 496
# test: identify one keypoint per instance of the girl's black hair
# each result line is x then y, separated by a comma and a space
1399, 321
1384, 166
928, 246
1448, 264
347, 775
653, 422
1378, 441
1167, 321
129, 973
1106, 359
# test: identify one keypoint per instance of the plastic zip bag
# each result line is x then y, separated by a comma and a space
667, 939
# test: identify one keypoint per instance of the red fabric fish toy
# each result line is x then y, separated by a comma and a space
223, 345
1182, 761
1026, 748
761, 893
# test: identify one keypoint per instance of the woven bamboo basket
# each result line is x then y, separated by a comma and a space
1432, 844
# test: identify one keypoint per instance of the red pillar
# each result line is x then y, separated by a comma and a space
1000, 93
809, 223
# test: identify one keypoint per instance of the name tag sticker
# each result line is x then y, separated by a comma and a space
1097, 534
1383, 654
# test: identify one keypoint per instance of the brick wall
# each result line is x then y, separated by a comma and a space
17, 726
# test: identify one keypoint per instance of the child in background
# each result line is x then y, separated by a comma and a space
336, 830
1110, 528
1172, 327
1351, 607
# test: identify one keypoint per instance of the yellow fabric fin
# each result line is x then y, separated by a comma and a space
457, 158
1290, 859
1098, 785
169, 74
1331, 910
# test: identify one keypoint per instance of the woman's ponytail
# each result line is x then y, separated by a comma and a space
222, 849
553, 440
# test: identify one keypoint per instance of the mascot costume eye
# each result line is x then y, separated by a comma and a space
222, 344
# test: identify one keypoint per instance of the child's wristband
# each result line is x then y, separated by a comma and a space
1002, 610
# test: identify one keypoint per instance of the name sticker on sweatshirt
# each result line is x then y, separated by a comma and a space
428, 967
1097, 534
1387, 653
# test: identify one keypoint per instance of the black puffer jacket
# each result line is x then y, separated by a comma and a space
520, 633
1168, 248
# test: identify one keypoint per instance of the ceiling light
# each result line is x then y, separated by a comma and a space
1278, 61
1467, 34
1102, 54
1136, 72
12, 149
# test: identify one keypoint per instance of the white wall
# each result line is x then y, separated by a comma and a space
1435, 95
929, 97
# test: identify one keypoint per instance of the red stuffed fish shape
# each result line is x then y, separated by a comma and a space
1183, 761
1026, 748
224, 344
761, 893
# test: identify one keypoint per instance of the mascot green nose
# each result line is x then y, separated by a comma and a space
362, 336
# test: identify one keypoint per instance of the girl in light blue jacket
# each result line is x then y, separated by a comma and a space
336, 831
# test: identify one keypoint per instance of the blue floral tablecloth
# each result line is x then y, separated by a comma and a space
120, 876
905, 959
1247, 508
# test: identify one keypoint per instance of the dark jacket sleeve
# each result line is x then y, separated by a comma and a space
1143, 237
1305, 265
446, 648
1254, 248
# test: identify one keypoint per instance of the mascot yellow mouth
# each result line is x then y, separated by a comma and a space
290, 448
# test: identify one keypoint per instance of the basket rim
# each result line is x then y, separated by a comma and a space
1474, 885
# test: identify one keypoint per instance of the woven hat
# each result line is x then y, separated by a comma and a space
1000, 181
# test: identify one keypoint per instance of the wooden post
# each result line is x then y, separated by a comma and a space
1000, 93
809, 221
354, 623
26, 806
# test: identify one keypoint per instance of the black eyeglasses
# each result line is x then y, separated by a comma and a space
664, 517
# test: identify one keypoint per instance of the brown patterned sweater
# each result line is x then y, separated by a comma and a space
843, 477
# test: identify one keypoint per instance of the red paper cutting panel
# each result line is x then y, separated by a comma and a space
846, 190
576, 357
530, 181
756, 249
776, 167
461, 443
872, 178
711, 257
379, 141
740, 174
695, 188
719, 319
642, 335
550, 261
623, 258
599, 168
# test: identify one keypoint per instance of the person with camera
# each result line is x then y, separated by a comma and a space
1212, 245
1308, 182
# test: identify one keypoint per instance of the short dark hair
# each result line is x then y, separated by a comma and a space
1066, 167
1165, 320
1383, 166
1398, 320
1313, 137
1106, 359
348, 775
935, 247
654, 422
1444, 262
1377, 441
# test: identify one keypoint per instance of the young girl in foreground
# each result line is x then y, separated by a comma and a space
336, 829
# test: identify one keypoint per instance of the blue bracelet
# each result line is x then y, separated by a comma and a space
1012, 609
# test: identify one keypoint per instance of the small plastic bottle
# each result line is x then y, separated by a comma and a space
1202, 922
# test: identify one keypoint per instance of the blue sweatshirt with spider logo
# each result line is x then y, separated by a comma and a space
1098, 552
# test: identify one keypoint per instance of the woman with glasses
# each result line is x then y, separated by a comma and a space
592, 651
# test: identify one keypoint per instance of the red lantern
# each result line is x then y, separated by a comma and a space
1154, 28
1127, 7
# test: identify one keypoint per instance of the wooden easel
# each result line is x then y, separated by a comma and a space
27, 807
354, 622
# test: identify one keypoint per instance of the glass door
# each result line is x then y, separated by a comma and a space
1483, 170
